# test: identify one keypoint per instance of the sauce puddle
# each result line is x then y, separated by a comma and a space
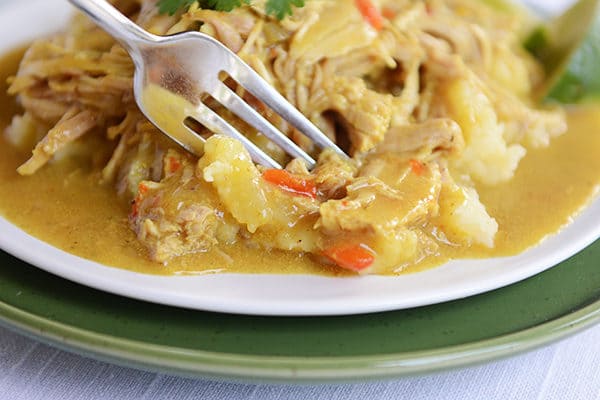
64, 205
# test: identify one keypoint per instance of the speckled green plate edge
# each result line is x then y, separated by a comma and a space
286, 369
241, 367
244, 367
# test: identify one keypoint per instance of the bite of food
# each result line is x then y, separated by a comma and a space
432, 100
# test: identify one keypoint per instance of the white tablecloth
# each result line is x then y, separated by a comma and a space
566, 370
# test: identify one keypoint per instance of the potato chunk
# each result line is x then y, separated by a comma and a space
486, 156
228, 166
276, 218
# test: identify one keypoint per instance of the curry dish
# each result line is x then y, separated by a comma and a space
451, 156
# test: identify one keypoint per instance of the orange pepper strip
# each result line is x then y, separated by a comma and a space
174, 165
371, 13
417, 167
291, 183
388, 13
355, 257
142, 190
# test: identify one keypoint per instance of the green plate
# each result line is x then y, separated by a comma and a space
546, 307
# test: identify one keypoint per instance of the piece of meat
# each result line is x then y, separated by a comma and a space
321, 38
192, 230
333, 174
178, 215
442, 134
372, 205
385, 215
231, 29
74, 124
365, 113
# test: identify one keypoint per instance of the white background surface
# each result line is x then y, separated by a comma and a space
567, 370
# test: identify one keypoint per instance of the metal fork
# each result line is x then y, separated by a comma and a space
188, 66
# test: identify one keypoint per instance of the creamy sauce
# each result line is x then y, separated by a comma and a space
550, 187
65, 205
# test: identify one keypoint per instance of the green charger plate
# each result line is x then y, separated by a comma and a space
546, 307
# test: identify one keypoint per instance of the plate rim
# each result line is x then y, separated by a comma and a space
239, 367
58, 262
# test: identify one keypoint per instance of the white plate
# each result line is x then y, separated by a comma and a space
277, 294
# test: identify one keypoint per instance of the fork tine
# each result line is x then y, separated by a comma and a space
234, 103
216, 124
255, 84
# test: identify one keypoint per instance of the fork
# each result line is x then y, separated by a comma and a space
190, 65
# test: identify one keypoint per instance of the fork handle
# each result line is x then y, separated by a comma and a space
107, 17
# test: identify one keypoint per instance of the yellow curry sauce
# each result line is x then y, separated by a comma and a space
64, 205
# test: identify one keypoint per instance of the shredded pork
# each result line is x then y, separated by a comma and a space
438, 99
